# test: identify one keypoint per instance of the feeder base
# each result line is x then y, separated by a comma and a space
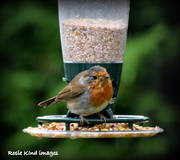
119, 126
90, 134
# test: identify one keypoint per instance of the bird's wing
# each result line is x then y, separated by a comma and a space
69, 92
74, 88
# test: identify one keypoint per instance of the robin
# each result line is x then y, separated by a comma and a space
88, 93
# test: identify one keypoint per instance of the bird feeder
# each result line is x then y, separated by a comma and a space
93, 32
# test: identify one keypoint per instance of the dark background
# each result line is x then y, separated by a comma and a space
32, 70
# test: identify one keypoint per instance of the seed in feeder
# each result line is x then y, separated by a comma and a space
98, 40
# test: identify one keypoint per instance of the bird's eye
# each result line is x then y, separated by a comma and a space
94, 77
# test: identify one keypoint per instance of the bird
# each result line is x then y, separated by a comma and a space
88, 93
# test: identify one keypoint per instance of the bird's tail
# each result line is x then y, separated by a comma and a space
48, 102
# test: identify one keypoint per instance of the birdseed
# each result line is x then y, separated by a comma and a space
97, 127
93, 40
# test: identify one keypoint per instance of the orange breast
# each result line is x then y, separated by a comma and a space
101, 93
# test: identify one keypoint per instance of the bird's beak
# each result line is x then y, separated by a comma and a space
106, 76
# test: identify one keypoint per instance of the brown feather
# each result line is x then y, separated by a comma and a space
48, 102
72, 90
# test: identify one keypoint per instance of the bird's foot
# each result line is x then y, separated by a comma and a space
83, 120
103, 118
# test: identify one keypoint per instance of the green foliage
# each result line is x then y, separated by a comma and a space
32, 70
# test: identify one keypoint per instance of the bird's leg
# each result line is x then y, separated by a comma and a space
83, 119
102, 117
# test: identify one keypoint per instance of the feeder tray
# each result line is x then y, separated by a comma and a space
67, 133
